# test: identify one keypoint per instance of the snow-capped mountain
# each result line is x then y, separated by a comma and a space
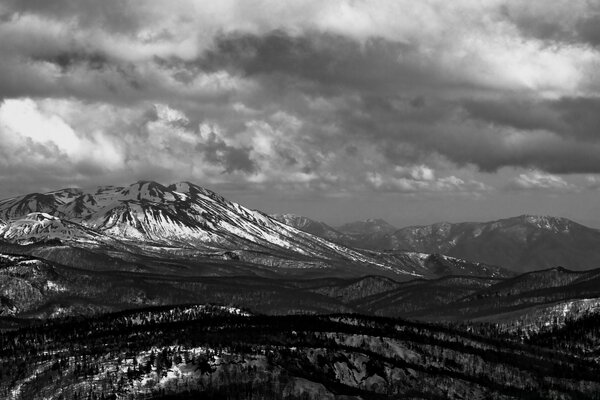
182, 215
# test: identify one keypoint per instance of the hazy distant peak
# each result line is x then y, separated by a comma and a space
371, 225
543, 222
295, 220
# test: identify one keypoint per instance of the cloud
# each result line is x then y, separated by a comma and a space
536, 180
28, 128
420, 178
565, 21
570, 117
335, 96
592, 182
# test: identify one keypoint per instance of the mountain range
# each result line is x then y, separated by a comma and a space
523, 243
174, 292
147, 219
72, 251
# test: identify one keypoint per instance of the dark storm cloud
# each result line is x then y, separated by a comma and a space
588, 29
570, 117
232, 159
327, 60
581, 25
492, 150
556, 136
516, 113
69, 59
112, 15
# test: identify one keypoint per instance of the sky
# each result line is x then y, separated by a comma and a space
411, 111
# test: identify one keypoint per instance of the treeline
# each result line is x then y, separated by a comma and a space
579, 336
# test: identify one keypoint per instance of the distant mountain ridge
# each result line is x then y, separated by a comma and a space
368, 226
522, 243
314, 227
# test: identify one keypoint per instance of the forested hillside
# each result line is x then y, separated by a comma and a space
220, 352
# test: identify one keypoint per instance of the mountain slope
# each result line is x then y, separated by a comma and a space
529, 301
367, 234
523, 243
313, 227
42, 227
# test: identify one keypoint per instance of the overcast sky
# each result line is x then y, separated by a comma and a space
413, 111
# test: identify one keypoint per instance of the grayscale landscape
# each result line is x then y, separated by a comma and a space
299, 200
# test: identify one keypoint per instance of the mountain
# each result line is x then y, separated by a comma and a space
523, 243
526, 303
367, 234
368, 226
51, 202
182, 215
184, 220
313, 227
34, 287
